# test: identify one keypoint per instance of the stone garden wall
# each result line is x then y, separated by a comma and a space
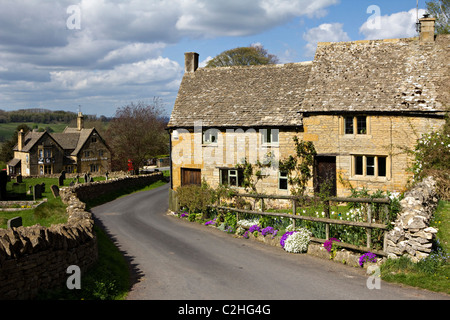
411, 234
35, 258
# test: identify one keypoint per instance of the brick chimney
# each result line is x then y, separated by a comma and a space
427, 25
20, 140
190, 61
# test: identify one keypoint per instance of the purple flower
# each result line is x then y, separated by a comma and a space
184, 214
209, 222
267, 230
329, 243
254, 228
245, 235
367, 257
284, 237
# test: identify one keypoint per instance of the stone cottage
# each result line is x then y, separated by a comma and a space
74, 150
362, 104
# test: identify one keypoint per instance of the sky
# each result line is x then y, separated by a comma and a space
99, 55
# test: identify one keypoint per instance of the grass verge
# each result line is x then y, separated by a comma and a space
432, 273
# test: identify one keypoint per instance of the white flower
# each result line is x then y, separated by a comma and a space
298, 241
247, 222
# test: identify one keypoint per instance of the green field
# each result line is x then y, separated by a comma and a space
8, 129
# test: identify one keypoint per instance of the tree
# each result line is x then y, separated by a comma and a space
299, 166
7, 152
440, 9
137, 133
243, 56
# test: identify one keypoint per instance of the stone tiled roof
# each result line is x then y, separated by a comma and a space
394, 75
73, 139
70, 139
241, 96
397, 75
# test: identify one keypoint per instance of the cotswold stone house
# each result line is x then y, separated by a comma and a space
74, 150
361, 103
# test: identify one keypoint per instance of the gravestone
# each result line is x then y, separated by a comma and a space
61, 180
3, 181
55, 190
37, 192
63, 174
86, 178
107, 175
14, 222
19, 179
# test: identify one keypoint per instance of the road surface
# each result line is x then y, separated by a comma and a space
179, 260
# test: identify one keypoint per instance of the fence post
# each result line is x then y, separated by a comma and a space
327, 215
294, 211
369, 230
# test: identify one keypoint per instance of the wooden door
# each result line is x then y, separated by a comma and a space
325, 176
191, 176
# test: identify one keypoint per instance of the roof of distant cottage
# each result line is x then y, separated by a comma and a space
241, 96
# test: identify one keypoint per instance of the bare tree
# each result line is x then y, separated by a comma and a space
137, 133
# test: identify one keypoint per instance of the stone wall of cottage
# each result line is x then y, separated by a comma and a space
387, 135
36, 258
412, 234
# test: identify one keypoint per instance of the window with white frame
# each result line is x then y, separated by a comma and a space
282, 180
269, 136
231, 177
210, 136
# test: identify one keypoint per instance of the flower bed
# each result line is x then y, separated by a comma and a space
294, 239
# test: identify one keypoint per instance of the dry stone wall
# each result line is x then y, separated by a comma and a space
36, 258
412, 234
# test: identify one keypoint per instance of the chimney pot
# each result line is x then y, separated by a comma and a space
191, 61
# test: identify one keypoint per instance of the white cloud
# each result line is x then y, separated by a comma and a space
149, 72
207, 18
118, 49
327, 32
396, 25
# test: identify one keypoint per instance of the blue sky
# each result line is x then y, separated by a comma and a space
104, 54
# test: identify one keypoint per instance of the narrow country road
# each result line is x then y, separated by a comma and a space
178, 260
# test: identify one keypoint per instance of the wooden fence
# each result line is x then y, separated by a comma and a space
368, 225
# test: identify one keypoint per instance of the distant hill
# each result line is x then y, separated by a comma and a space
40, 119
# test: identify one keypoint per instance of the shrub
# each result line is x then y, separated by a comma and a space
432, 158
196, 198
230, 220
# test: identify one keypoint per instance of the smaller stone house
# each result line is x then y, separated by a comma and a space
74, 150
